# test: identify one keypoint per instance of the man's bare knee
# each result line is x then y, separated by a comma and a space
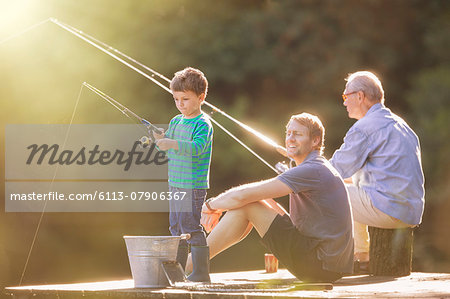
240, 212
260, 215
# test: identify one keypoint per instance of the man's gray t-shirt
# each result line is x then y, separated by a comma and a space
320, 209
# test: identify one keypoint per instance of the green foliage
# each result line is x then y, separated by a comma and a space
429, 101
264, 60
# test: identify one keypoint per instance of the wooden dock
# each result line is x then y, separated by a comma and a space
252, 284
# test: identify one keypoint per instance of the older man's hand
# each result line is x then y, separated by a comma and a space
210, 218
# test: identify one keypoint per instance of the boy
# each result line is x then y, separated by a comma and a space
188, 141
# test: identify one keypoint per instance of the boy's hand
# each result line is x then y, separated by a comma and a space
165, 144
158, 136
209, 218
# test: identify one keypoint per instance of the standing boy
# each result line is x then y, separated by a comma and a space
188, 141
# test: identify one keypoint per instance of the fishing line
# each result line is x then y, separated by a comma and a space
242, 143
51, 188
23, 31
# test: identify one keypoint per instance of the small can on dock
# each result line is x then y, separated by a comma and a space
271, 263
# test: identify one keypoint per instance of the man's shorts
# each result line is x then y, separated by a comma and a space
296, 251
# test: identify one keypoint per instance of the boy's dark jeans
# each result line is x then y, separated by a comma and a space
184, 217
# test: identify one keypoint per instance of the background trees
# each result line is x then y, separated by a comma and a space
265, 60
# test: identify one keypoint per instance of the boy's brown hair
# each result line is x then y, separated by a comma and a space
190, 79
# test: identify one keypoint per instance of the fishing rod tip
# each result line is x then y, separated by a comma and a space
54, 20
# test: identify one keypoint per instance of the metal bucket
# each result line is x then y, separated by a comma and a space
145, 254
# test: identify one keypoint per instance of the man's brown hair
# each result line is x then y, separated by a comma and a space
314, 125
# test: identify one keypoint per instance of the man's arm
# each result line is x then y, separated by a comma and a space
352, 154
240, 196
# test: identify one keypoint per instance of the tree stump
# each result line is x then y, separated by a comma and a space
390, 251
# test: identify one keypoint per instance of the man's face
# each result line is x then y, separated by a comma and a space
298, 142
188, 102
353, 102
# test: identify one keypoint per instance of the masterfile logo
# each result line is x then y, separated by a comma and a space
84, 168
52, 155
81, 152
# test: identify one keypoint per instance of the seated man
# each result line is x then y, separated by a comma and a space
382, 155
314, 241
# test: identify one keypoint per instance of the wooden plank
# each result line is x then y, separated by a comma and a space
417, 285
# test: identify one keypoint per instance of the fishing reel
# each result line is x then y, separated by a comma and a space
283, 166
145, 141
150, 127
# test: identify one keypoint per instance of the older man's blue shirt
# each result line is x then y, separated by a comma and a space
382, 155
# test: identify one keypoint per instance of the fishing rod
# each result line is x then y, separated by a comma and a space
121, 57
123, 109
145, 140
127, 60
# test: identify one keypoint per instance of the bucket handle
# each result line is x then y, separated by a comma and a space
182, 237
185, 236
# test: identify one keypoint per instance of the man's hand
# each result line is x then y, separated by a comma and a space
165, 143
209, 218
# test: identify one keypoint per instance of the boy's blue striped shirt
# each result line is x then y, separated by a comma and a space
189, 165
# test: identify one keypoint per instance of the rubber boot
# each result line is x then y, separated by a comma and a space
200, 263
182, 254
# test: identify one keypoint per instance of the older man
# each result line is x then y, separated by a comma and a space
381, 154
314, 241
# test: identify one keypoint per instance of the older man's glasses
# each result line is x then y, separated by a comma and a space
345, 95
